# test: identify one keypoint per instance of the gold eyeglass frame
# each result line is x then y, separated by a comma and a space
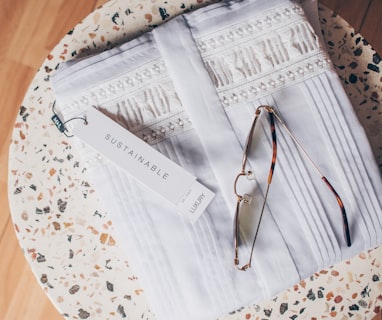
244, 172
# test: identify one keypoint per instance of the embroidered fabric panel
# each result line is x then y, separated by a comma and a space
143, 101
254, 58
241, 60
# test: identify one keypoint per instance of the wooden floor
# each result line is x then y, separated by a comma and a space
29, 30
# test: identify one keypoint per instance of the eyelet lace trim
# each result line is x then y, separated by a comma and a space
245, 61
143, 101
254, 58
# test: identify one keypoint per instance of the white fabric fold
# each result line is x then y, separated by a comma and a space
199, 98
190, 89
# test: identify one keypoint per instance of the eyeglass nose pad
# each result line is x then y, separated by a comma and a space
247, 199
250, 175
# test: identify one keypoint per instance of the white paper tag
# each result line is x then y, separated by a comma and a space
144, 163
195, 201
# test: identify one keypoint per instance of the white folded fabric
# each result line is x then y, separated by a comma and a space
190, 88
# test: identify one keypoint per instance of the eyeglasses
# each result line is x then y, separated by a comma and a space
244, 199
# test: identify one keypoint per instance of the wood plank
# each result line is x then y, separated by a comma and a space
371, 28
13, 256
4, 214
363, 15
353, 11
21, 298
48, 28
99, 3
21, 48
29, 31
15, 78
14, 81
10, 11
70, 13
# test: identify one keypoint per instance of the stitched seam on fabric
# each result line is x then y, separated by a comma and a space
291, 189
159, 261
337, 148
356, 175
211, 252
359, 165
212, 283
304, 199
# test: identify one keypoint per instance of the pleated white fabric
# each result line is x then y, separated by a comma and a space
190, 89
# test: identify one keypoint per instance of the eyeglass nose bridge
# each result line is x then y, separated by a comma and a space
245, 197
267, 108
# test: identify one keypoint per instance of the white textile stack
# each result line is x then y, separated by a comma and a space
189, 89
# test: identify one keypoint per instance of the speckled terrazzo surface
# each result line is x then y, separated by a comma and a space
67, 236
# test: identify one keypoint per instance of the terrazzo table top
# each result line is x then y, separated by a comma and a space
68, 238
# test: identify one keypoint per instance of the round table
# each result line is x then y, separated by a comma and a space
68, 238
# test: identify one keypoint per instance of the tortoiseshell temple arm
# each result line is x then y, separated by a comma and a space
236, 232
249, 141
338, 198
274, 147
343, 212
